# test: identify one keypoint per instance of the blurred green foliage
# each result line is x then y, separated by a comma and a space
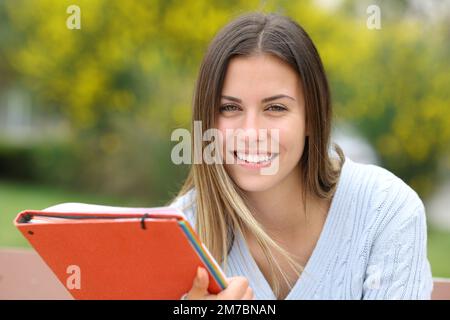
125, 80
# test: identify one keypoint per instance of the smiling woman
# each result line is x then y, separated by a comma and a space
283, 110
321, 226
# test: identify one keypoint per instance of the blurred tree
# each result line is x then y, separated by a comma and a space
392, 84
125, 79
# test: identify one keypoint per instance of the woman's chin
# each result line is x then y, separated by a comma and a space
255, 183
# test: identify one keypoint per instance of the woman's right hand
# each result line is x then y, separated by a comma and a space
237, 289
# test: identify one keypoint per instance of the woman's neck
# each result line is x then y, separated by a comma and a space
281, 209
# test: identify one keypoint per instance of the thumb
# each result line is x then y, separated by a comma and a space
200, 285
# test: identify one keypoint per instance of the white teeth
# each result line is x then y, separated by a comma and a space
254, 158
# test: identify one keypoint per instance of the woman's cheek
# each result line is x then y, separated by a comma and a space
292, 143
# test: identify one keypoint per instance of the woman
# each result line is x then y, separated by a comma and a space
321, 226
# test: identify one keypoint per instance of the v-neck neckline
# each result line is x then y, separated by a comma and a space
314, 267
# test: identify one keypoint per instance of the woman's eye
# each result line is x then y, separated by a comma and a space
228, 107
276, 107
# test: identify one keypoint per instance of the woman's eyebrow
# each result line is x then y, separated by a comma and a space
268, 99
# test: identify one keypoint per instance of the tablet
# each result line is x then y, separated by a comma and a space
100, 252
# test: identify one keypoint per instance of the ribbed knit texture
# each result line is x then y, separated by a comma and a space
373, 244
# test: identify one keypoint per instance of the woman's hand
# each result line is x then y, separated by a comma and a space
237, 289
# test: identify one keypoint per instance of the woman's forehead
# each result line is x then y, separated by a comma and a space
258, 76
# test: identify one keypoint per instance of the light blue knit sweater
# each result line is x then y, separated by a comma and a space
373, 244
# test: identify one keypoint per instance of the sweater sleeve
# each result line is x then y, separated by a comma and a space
398, 267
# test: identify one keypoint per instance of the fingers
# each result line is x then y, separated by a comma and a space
236, 289
248, 294
200, 285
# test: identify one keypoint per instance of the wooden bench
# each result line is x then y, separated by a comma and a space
441, 289
23, 275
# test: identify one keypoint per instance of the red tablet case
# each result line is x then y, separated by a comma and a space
151, 255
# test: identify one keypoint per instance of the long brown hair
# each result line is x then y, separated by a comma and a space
221, 208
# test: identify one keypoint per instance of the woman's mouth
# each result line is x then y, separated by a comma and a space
256, 160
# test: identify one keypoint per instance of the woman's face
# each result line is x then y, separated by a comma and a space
261, 92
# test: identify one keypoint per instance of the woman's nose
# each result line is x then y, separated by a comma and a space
252, 126
251, 121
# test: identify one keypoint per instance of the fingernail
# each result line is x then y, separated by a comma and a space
198, 272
